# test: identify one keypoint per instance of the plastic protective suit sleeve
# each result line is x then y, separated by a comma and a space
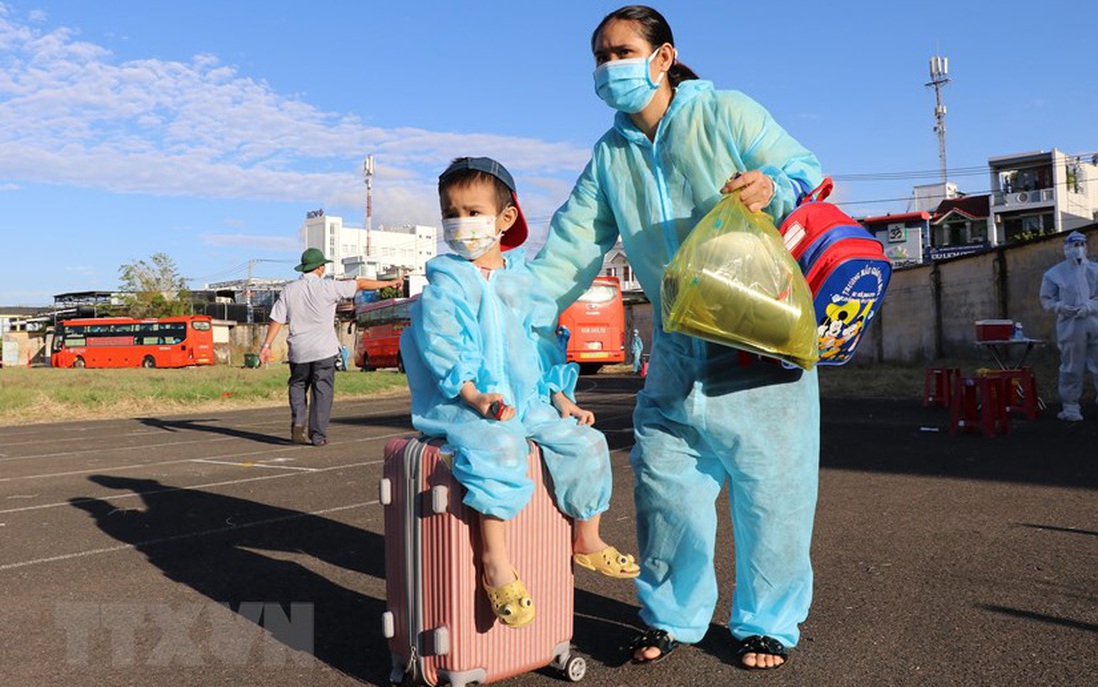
583, 230
557, 373
448, 330
562, 378
1070, 289
792, 168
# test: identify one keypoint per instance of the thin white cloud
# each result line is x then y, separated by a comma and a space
251, 241
10, 187
71, 113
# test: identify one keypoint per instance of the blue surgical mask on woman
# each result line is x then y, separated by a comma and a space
470, 237
627, 85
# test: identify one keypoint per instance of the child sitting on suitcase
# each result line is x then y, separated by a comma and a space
487, 373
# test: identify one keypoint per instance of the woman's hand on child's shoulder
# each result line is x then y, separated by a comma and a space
569, 409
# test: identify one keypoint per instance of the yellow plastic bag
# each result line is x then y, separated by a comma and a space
733, 282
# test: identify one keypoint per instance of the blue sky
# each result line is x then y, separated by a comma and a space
206, 130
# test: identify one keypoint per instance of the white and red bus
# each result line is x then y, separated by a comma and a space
126, 342
596, 326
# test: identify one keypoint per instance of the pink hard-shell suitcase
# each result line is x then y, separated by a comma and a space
439, 624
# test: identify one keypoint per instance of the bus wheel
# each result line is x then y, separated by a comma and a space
78, 362
400, 363
148, 362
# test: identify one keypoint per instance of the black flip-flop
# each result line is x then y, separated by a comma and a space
652, 638
760, 644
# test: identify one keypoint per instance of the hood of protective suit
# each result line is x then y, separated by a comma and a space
1076, 251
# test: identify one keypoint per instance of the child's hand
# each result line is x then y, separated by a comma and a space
569, 409
489, 405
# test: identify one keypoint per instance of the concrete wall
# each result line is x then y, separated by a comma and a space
246, 338
26, 349
930, 311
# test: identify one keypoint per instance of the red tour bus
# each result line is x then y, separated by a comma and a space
596, 326
126, 342
380, 324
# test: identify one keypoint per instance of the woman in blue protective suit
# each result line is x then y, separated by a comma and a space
707, 414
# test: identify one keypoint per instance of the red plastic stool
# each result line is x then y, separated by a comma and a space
1019, 390
938, 385
979, 403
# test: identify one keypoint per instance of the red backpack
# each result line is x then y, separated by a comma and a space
845, 267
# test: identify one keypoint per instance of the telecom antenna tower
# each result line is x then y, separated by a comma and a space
368, 173
939, 77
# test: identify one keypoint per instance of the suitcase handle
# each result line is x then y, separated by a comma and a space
440, 499
385, 491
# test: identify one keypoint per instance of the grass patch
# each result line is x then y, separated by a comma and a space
52, 395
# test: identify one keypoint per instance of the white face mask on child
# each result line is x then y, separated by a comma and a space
470, 237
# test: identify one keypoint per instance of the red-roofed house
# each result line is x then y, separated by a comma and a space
959, 226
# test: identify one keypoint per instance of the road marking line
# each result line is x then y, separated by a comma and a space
107, 469
59, 454
178, 537
252, 465
116, 449
208, 485
92, 424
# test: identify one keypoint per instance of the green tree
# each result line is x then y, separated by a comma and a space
154, 288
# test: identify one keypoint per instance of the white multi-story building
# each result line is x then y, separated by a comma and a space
357, 252
1041, 193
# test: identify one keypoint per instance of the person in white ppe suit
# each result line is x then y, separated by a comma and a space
487, 374
1070, 289
707, 416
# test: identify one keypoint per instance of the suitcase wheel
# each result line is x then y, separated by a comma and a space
575, 668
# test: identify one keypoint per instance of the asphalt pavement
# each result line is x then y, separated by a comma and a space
207, 550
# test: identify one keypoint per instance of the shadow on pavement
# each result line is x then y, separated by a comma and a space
198, 426
916, 440
209, 542
1042, 618
206, 542
400, 420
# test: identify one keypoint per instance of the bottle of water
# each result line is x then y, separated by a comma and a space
1018, 334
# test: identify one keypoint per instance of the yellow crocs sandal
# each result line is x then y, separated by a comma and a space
609, 562
511, 603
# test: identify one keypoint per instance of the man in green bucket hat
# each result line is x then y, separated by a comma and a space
308, 307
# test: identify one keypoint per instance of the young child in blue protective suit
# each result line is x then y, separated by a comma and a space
703, 417
1070, 289
487, 373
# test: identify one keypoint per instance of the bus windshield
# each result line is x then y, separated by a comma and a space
594, 326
